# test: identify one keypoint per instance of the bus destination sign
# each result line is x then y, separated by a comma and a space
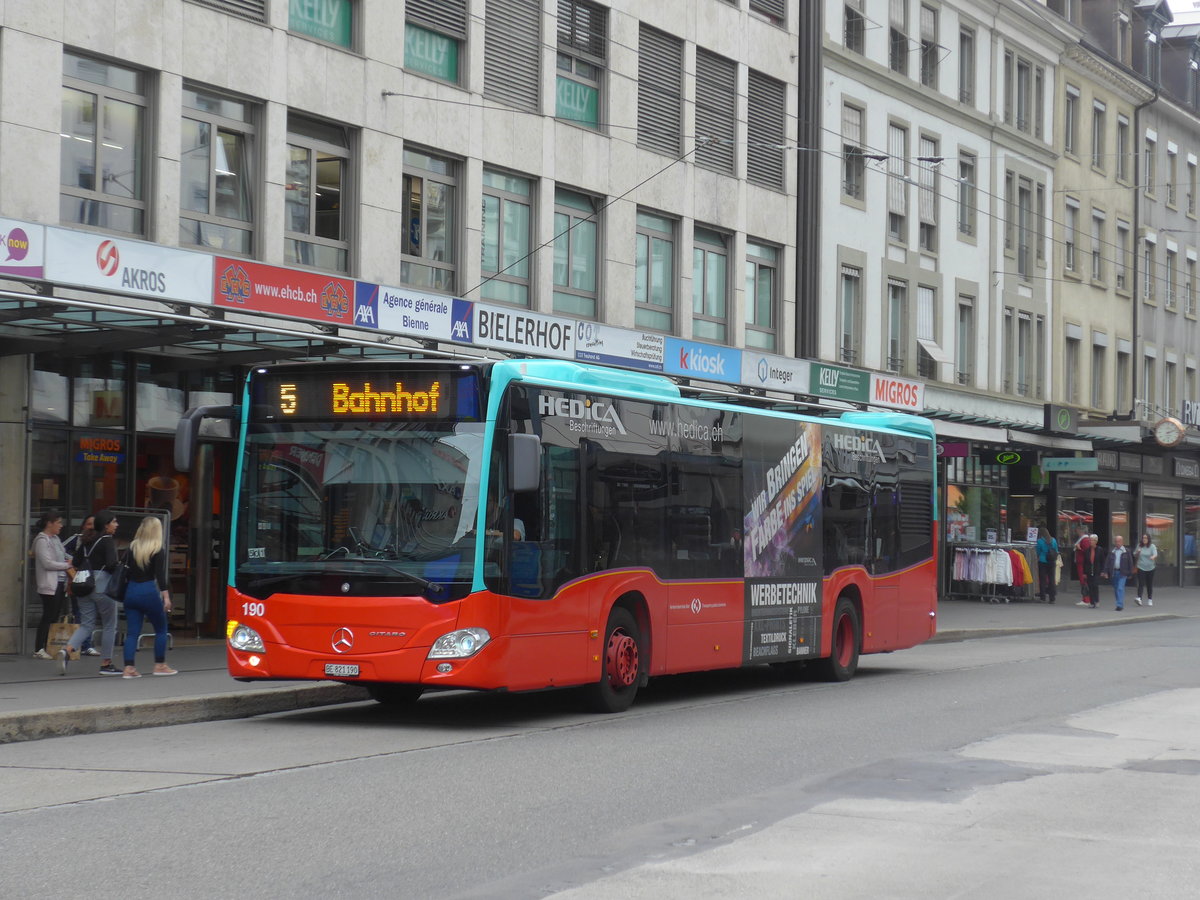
404, 395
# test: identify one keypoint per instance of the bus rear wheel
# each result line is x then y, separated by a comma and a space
621, 665
844, 644
396, 695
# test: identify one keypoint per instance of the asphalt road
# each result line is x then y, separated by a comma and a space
708, 787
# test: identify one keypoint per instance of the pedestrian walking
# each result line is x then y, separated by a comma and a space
70, 545
50, 565
96, 553
1145, 558
1088, 565
1047, 557
147, 595
1118, 567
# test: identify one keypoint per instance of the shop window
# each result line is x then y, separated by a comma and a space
316, 195
99, 394
216, 167
104, 145
160, 399
710, 285
762, 295
51, 391
49, 463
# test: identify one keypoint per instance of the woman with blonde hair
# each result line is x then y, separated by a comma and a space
147, 595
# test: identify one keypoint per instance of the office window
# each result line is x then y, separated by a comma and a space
1169, 388
1010, 64
762, 295
582, 55
1123, 260
1122, 381
1189, 286
1006, 349
654, 273
854, 26
1099, 374
766, 121
1039, 100
104, 145
317, 197
1149, 154
216, 172
1124, 38
1169, 279
435, 32
1070, 234
967, 194
506, 238
928, 194
1171, 174
853, 161
710, 285
966, 66
1191, 187
1010, 210
331, 21
1039, 353
1024, 352
1039, 193
660, 91
1025, 227
1071, 119
512, 52
1189, 385
1193, 80
850, 333
1097, 246
927, 365
576, 253
895, 337
716, 112
1122, 149
1071, 371
930, 51
1149, 265
898, 36
897, 183
1099, 148
964, 368
429, 258
1149, 387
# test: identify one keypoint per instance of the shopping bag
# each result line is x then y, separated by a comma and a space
58, 636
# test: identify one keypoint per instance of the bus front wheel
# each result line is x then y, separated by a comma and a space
621, 665
844, 644
396, 695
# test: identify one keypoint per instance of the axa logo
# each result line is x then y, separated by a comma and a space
234, 284
697, 359
859, 446
460, 321
335, 302
596, 413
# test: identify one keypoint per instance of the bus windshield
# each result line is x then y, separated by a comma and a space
387, 508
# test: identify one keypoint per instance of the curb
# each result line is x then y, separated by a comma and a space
35, 725
966, 634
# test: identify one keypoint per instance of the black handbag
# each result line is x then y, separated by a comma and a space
119, 580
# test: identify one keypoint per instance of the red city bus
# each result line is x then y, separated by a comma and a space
525, 524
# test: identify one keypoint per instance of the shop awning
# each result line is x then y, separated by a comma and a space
1056, 442
961, 431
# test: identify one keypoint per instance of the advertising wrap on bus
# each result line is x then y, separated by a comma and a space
541, 523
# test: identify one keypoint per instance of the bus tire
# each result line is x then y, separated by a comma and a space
621, 665
395, 695
845, 641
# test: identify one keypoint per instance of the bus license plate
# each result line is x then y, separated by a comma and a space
341, 670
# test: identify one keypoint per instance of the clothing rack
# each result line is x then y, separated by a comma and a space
992, 572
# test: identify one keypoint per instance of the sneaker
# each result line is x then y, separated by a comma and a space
1139, 600
42, 654
90, 651
1120, 609
1083, 603
1149, 602
62, 662
164, 669
110, 669
131, 672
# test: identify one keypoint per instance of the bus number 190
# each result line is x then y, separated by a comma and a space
254, 609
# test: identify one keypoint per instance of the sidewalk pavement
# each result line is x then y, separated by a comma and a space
36, 702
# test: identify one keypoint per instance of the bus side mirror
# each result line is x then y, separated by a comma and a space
188, 430
524, 462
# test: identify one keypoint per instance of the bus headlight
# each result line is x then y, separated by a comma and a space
243, 637
459, 644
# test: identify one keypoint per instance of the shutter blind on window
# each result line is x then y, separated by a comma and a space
512, 50
715, 111
851, 125
765, 120
582, 26
925, 297
897, 168
448, 17
928, 181
776, 10
254, 10
660, 85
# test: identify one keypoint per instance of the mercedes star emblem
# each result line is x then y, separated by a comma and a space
343, 640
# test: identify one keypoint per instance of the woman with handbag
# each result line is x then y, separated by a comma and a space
95, 556
51, 566
147, 595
